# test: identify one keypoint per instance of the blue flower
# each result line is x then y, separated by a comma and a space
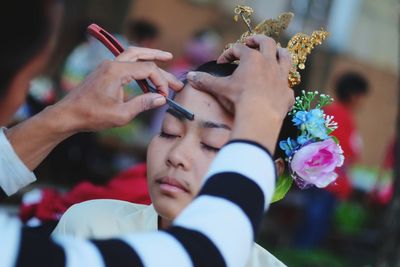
289, 146
300, 118
316, 115
311, 121
302, 139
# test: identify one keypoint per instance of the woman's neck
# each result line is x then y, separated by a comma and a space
163, 223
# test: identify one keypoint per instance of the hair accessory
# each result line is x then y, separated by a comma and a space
314, 155
299, 46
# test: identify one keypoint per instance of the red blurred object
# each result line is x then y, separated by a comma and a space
346, 133
129, 185
349, 140
342, 187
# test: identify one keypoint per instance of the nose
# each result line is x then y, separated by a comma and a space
180, 154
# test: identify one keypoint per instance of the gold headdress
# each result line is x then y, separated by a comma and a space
299, 46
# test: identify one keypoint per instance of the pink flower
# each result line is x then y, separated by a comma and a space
315, 163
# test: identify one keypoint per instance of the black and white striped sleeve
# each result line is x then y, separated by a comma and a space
216, 229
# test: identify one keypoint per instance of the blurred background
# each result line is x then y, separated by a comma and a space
358, 65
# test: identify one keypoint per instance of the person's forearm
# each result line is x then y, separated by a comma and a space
33, 139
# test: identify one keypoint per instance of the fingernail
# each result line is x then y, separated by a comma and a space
166, 53
191, 75
158, 101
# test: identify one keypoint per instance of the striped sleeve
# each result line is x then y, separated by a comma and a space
216, 229
3, 194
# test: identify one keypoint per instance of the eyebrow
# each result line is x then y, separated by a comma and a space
203, 124
210, 124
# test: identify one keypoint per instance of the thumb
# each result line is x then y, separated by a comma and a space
206, 82
142, 103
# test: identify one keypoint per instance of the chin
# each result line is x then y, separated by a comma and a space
167, 208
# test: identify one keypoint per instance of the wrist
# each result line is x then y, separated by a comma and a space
261, 124
56, 123
34, 138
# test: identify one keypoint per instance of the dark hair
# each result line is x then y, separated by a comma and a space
222, 70
141, 30
26, 29
350, 84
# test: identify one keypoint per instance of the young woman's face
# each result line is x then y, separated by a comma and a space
180, 155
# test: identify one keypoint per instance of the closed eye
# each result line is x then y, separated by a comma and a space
210, 148
168, 136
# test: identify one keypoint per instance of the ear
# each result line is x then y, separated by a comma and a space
280, 166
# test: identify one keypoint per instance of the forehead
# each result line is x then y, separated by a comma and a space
203, 105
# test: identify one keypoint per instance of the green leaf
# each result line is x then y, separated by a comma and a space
282, 187
335, 139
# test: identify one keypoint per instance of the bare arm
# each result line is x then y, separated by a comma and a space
98, 103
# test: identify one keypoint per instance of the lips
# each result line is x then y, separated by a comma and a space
171, 184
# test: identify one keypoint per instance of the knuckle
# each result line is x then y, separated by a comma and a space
145, 104
152, 66
260, 36
263, 39
285, 55
255, 56
106, 66
169, 76
122, 118
235, 49
284, 52
199, 81
238, 47
131, 50
270, 40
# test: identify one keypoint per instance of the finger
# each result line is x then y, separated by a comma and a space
227, 105
266, 45
291, 99
160, 82
285, 60
208, 83
150, 56
233, 53
141, 53
138, 104
128, 71
174, 83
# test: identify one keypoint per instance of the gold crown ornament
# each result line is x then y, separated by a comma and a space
299, 46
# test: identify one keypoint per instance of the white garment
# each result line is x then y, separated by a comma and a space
108, 218
13, 173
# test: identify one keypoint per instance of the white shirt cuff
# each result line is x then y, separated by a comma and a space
13, 173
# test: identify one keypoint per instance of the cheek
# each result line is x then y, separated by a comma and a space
156, 154
202, 165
